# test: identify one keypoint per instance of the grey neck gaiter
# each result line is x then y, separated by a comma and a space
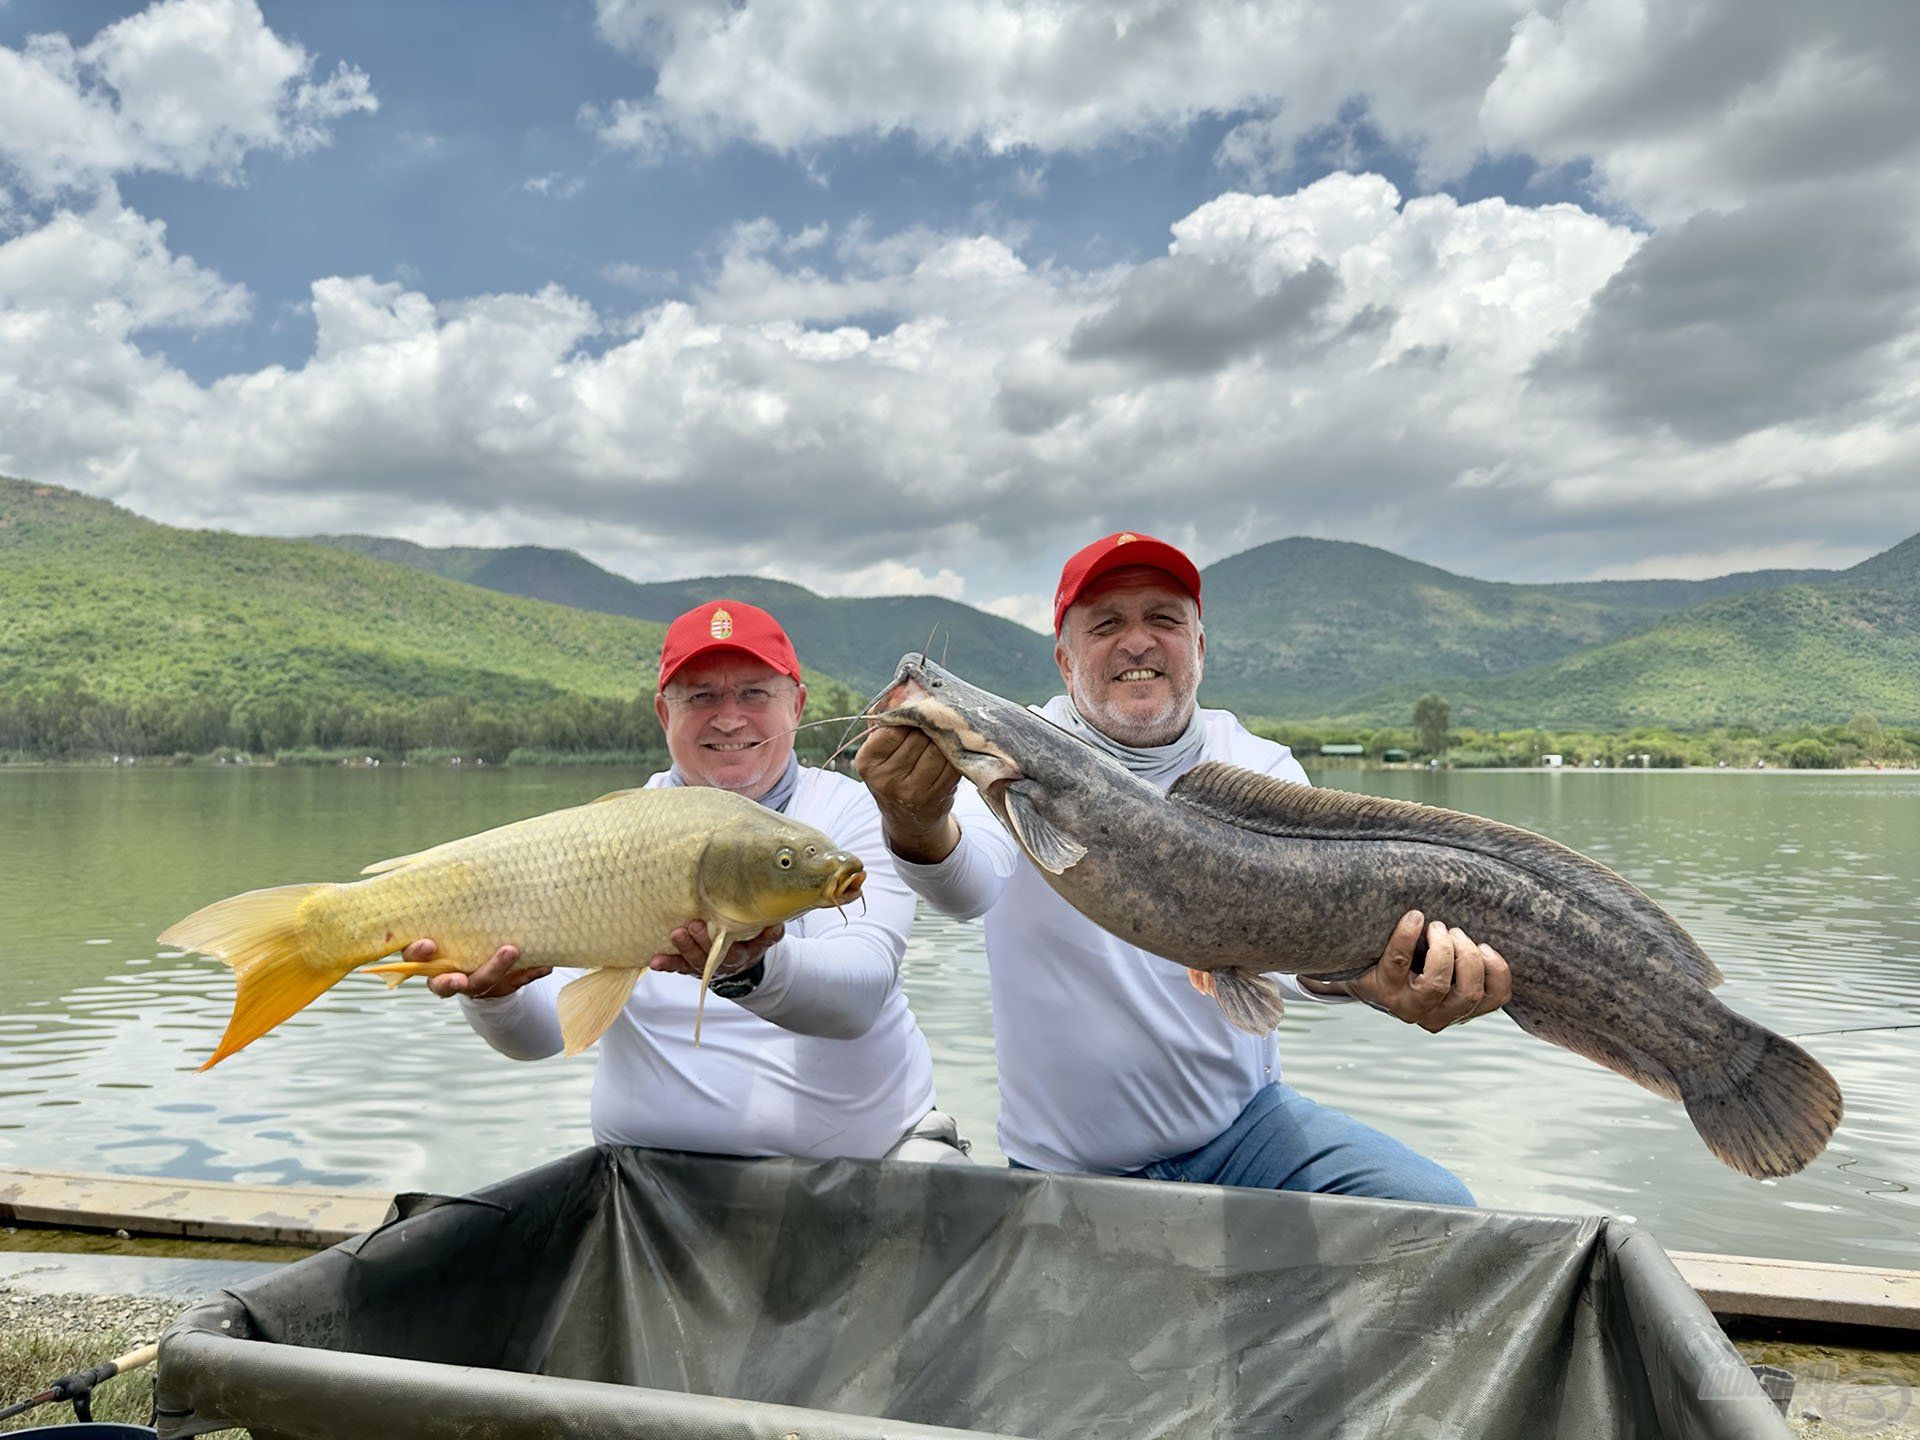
775, 799
1160, 764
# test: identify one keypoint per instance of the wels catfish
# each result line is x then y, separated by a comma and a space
1235, 874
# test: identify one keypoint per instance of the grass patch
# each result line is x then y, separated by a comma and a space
30, 1361
32, 1356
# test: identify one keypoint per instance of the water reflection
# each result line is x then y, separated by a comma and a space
1801, 887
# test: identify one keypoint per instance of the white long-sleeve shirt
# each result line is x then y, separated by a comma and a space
823, 1059
1109, 1059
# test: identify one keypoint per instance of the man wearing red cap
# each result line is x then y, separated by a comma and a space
808, 1046
1110, 1061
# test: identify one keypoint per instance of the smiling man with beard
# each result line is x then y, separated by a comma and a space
1110, 1061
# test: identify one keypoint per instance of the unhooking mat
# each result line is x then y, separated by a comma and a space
651, 1294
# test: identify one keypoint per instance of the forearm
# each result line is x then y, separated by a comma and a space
830, 985
967, 880
524, 1025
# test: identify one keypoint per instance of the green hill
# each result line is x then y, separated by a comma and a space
1297, 627
1302, 628
142, 608
1798, 654
118, 633
858, 639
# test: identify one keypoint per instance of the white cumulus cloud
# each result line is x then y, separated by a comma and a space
872, 412
186, 87
1010, 74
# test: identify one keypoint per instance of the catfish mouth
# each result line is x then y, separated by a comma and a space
911, 702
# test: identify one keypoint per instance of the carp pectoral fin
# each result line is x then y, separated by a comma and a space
1249, 1000
400, 971
592, 1003
1052, 849
706, 978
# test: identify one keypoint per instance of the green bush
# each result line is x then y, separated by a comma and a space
1808, 754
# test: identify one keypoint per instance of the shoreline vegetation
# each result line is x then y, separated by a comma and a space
1862, 744
1804, 748
67, 723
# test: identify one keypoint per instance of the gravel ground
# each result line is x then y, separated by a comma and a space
138, 1315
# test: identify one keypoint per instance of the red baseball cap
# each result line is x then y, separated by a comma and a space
727, 625
1114, 551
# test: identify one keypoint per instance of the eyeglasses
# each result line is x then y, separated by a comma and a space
747, 697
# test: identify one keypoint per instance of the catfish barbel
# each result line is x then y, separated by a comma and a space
597, 887
1235, 874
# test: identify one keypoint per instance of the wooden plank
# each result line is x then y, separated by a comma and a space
193, 1209
1803, 1290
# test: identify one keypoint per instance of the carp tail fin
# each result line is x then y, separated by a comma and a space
278, 970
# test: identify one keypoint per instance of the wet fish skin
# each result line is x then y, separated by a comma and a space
598, 887
1237, 874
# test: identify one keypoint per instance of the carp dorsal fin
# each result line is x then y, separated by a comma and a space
1270, 806
1052, 849
381, 867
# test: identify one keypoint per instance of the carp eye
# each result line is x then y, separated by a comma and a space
786, 859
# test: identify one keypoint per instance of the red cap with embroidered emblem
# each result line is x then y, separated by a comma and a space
1111, 553
727, 625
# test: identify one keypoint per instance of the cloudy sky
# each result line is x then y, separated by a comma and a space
881, 296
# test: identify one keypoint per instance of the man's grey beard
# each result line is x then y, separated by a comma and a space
1162, 728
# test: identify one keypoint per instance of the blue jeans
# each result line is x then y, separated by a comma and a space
1284, 1141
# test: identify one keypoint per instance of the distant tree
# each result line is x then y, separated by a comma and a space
490, 739
1866, 731
1430, 717
1809, 754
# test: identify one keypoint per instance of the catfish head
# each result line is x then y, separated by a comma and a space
1033, 774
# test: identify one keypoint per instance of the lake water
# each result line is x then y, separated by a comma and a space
1805, 888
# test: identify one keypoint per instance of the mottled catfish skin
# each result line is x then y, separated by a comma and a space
1236, 874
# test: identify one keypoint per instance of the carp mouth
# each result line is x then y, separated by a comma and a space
912, 702
846, 882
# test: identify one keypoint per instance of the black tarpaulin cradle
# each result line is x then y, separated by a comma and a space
645, 1293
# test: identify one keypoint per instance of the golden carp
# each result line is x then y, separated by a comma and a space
598, 887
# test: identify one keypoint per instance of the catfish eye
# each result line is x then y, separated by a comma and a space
785, 858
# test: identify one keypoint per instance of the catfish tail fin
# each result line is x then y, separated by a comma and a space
265, 938
1768, 1110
